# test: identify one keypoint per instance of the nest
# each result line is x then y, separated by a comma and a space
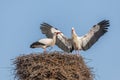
51, 66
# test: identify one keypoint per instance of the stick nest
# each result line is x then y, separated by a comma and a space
51, 66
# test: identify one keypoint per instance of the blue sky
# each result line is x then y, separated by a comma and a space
20, 26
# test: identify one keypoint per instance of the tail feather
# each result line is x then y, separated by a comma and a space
36, 45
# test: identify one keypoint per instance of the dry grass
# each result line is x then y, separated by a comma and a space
52, 66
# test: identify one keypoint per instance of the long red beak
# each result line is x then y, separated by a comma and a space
58, 32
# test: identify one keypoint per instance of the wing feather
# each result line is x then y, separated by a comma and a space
94, 34
61, 40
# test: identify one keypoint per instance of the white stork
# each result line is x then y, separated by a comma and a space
61, 40
46, 42
76, 43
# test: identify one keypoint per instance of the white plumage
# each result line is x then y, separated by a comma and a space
76, 43
46, 42
86, 41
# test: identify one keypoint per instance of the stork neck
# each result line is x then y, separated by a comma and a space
74, 35
54, 39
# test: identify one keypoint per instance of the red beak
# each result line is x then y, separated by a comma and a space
58, 32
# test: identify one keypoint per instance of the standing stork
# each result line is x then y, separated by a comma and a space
76, 43
86, 41
46, 42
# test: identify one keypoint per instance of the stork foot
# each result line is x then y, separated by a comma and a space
77, 54
45, 51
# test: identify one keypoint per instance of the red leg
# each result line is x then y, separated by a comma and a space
44, 50
78, 53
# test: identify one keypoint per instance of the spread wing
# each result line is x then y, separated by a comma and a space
94, 34
61, 41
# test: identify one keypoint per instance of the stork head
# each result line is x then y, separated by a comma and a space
56, 33
73, 30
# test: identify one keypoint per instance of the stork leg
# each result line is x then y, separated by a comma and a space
50, 48
77, 52
45, 51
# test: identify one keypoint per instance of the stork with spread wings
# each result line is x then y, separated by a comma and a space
76, 43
